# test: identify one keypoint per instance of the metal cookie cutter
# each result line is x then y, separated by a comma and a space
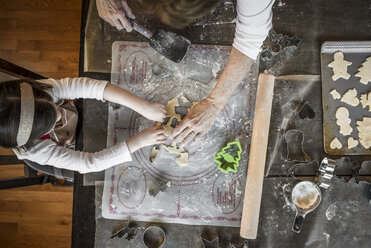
213, 243
326, 168
128, 231
154, 237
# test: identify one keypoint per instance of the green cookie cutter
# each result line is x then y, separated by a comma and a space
228, 159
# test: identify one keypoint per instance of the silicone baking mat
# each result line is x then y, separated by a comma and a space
199, 193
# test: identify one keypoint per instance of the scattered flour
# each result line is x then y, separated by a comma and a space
327, 238
331, 212
281, 4
285, 190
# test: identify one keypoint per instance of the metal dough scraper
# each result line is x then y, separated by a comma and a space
169, 44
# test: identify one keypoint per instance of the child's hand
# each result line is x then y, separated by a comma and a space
149, 136
154, 112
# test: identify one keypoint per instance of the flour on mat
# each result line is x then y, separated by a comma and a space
331, 211
170, 112
182, 155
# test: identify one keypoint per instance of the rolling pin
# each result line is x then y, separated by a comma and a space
257, 157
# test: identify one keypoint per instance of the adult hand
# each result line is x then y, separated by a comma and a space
196, 123
149, 136
154, 111
114, 11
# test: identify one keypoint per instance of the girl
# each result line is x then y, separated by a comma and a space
39, 125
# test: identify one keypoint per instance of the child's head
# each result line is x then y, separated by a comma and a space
44, 116
175, 13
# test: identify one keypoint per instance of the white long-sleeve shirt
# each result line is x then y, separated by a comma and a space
47, 152
254, 20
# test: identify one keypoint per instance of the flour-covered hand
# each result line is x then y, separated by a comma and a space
196, 123
154, 111
114, 12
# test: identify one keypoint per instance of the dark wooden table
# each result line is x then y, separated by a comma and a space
313, 22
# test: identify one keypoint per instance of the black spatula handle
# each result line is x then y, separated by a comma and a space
140, 29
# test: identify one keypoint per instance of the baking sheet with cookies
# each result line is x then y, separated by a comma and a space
346, 83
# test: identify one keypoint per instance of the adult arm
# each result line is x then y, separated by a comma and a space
201, 116
254, 20
87, 88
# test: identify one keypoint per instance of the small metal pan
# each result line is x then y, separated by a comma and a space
301, 212
154, 237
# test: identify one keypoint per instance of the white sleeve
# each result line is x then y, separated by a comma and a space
47, 152
254, 20
72, 88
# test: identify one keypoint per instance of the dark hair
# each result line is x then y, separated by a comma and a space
175, 13
10, 106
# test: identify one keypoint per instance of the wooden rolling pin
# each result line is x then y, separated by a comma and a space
258, 153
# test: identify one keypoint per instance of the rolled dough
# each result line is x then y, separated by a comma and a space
364, 72
350, 97
343, 121
364, 132
335, 144
182, 155
352, 143
335, 94
366, 100
339, 66
182, 160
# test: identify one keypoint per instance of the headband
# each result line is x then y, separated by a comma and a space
27, 114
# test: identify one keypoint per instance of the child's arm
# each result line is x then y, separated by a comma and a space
88, 88
47, 152
150, 110
150, 136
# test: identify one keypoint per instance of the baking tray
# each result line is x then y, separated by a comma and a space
355, 52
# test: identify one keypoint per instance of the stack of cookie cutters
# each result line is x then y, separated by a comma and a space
326, 168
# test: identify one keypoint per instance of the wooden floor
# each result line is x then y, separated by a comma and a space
42, 36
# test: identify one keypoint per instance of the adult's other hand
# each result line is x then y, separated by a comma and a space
196, 123
114, 12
